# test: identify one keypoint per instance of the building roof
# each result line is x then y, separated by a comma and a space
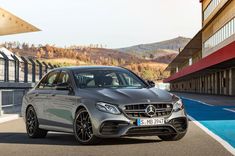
191, 48
11, 24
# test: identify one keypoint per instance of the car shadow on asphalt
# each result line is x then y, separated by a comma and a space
69, 140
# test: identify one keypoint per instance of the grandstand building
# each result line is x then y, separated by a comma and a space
207, 63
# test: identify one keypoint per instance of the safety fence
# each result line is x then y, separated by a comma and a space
15, 68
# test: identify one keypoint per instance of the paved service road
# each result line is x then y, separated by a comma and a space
14, 142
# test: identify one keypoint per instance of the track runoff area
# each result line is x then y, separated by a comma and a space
217, 121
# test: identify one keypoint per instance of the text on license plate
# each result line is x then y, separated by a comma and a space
150, 121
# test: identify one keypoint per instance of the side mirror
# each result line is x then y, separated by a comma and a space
151, 83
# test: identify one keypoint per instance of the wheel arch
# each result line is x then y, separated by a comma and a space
35, 110
27, 107
80, 107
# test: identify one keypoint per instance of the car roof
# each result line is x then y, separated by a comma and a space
73, 68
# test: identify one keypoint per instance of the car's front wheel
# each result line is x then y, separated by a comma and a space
32, 125
83, 128
173, 137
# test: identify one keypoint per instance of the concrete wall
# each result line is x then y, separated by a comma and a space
11, 96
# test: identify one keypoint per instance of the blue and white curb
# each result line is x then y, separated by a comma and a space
216, 121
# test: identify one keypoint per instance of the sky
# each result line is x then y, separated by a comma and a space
114, 23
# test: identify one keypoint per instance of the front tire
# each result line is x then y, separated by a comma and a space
174, 137
32, 125
83, 128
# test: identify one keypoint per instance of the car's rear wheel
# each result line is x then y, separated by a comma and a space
32, 125
83, 128
173, 137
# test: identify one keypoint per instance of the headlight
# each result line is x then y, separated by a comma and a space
105, 107
178, 105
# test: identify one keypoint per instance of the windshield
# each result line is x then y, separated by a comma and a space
108, 79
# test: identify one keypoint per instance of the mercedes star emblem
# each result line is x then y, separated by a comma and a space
150, 110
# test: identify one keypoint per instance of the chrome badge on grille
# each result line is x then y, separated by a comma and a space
150, 110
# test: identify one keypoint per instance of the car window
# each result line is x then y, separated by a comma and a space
63, 79
85, 79
107, 79
130, 81
42, 83
51, 80
115, 81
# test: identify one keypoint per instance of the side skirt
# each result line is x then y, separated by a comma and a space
56, 129
55, 126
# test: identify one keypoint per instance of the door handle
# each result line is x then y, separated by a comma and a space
36, 94
52, 94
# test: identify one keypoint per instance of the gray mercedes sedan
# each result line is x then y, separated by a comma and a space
95, 102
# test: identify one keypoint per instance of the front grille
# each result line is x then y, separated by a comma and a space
151, 130
180, 124
138, 110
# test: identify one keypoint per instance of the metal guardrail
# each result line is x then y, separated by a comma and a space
22, 69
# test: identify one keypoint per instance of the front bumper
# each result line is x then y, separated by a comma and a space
107, 125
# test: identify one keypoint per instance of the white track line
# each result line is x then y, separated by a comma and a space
198, 101
224, 143
230, 110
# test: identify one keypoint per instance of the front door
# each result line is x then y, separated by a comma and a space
48, 89
62, 103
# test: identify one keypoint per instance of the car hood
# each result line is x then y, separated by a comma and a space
126, 96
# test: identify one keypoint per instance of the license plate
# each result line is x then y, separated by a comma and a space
150, 121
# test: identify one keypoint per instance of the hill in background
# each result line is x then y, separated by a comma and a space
148, 61
172, 44
162, 52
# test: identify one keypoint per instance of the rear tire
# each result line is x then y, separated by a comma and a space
32, 125
83, 131
174, 137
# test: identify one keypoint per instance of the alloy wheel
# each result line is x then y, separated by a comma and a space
31, 121
83, 126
